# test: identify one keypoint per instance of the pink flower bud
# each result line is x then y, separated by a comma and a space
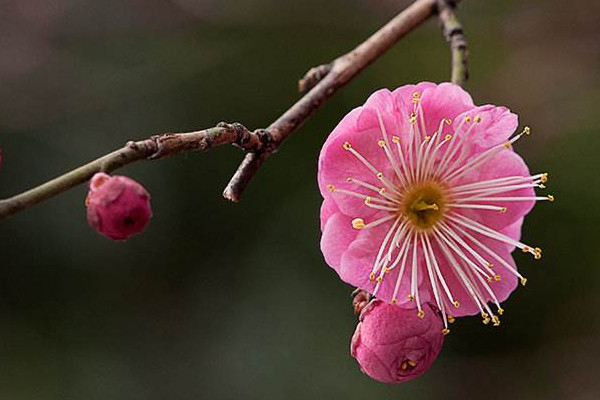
393, 345
117, 206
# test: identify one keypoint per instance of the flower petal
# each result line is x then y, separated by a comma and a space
337, 236
445, 100
496, 125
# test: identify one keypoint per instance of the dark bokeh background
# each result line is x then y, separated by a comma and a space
222, 301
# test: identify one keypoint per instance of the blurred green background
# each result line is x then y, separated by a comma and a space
222, 301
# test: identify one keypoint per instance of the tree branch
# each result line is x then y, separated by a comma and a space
153, 148
323, 81
454, 34
320, 83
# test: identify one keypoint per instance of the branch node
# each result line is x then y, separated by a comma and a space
132, 145
265, 138
454, 34
314, 76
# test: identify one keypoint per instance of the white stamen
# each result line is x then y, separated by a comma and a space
487, 250
437, 269
497, 182
373, 188
428, 263
404, 253
483, 198
365, 197
484, 230
379, 221
383, 246
493, 190
386, 148
477, 206
460, 253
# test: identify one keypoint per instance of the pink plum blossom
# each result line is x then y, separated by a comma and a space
393, 345
117, 206
424, 198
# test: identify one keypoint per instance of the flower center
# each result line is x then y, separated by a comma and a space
423, 205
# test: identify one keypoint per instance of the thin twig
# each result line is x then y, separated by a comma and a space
321, 82
153, 148
454, 34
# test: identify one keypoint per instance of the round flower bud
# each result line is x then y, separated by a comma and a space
117, 206
394, 345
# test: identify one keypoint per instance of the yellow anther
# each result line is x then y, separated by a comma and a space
379, 279
507, 145
477, 119
526, 130
372, 276
447, 121
381, 143
394, 300
427, 138
368, 200
501, 311
347, 146
331, 188
386, 270
542, 186
349, 179
379, 175
358, 223
537, 253
410, 297
486, 320
503, 210
413, 120
550, 198
485, 315
456, 304
421, 314
445, 331
382, 191
395, 139
451, 319
497, 277
523, 281
538, 250
416, 95
448, 137
496, 320
412, 363
489, 279
490, 265
467, 119
544, 178
525, 249
404, 366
